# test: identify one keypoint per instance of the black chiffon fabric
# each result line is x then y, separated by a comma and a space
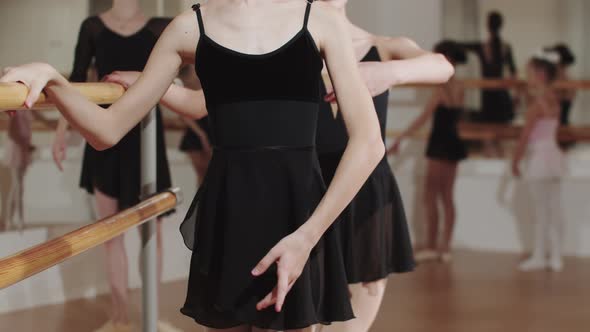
444, 142
116, 171
263, 182
374, 230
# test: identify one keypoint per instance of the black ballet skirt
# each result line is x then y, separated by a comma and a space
373, 228
116, 171
190, 141
444, 142
262, 184
496, 106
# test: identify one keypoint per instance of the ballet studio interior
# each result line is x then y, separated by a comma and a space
458, 200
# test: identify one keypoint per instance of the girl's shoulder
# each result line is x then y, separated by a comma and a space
544, 107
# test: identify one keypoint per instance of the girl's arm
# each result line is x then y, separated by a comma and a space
184, 101
409, 64
418, 122
363, 152
471, 46
405, 63
104, 128
531, 118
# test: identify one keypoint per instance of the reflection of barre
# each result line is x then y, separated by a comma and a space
476, 132
29, 262
13, 95
512, 84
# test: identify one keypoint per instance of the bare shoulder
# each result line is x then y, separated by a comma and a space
182, 35
185, 23
326, 23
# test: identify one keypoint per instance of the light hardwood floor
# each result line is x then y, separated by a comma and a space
478, 292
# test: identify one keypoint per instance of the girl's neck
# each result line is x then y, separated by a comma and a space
126, 9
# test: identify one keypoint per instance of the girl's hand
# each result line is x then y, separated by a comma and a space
34, 75
376, 76
290, 255
394, 149
125, 78
59, 149
515, 169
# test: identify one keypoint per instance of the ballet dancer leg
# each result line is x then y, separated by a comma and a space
366, 300
432, 191
20, 198
116, 263
448, 176
556, 224
541, 216
11, 199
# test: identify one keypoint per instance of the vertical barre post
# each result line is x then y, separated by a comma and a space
149, 257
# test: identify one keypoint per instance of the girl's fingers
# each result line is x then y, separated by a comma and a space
265, 263
34, 93
282, 289
268, 300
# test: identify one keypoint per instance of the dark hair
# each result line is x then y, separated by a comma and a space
566, 57
547, 66
452, 51
495, 23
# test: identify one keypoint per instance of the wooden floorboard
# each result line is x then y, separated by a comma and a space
477, 292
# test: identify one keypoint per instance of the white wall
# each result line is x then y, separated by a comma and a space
418, 19
32, 30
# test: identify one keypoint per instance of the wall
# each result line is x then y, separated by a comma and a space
35, 30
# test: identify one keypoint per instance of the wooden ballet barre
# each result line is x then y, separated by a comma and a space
489, 84
478, 131
481, 132
29, 262
13, 95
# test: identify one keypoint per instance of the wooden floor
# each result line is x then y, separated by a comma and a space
476, 293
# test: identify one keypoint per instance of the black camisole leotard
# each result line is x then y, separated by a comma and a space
374, 229
263, 182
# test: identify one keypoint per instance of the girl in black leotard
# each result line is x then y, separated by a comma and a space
113, 175
263, 196
494, 56
374, 229
445, 150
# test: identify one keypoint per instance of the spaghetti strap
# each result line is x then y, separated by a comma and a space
307, 11
197, 9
